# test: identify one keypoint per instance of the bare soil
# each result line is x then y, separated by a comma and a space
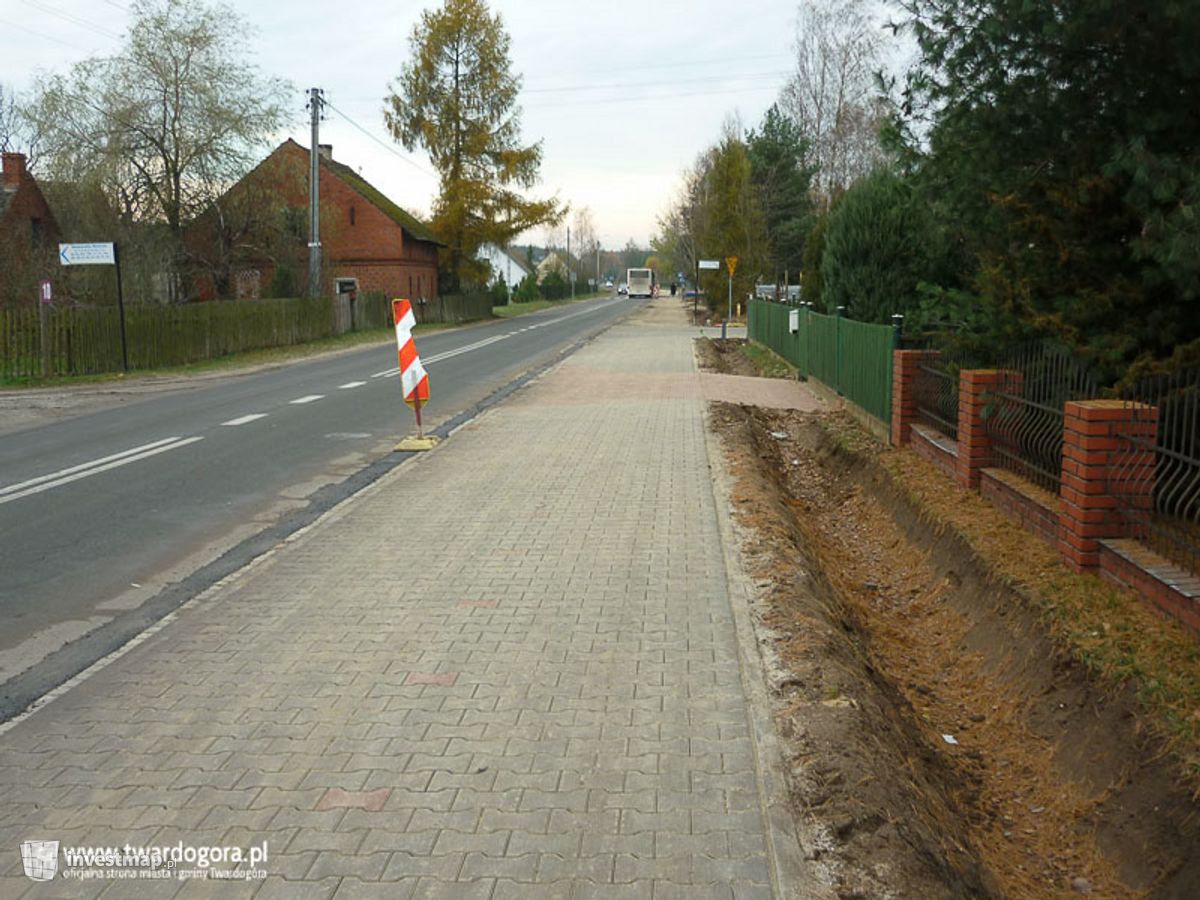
937, 738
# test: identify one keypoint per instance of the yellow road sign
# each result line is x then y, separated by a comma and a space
731, 261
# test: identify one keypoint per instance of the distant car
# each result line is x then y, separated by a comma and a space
623, 289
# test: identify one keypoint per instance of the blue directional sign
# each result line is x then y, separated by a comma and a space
86, 254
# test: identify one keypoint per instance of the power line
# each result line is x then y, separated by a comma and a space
652, 84
45, 37
654, 98
388, 147
73, 19
705, 64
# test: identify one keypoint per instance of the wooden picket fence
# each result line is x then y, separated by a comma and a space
87, 341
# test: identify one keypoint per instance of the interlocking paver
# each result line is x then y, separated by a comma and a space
538, 695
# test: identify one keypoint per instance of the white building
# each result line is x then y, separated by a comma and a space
506, 265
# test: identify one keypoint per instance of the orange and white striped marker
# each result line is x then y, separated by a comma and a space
414, 382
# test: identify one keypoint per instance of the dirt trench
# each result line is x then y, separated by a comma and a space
937, 742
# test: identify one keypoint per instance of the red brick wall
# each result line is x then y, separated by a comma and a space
1093, 456
935, 447
974, 446
366, 245
905, 364
27, 203
24, 262
1036, 510
1127, 563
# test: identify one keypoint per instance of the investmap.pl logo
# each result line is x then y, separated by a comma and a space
40, 859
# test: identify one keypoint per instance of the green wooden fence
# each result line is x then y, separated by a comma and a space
79, 341
852, 358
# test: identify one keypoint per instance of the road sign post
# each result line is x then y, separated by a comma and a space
100, 255
731, 262
44, 295
707, 265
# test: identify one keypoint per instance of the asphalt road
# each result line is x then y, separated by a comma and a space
103, 512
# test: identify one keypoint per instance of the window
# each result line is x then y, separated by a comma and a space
36, 226
351, 215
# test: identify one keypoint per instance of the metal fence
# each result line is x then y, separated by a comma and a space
1155, 475
852, 358
1023, 415
936, 392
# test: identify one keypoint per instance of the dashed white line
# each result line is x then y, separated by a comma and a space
350, 384
242, 420
308, 399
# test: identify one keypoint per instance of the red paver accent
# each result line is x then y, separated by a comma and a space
431, 678
479, 604
371, 801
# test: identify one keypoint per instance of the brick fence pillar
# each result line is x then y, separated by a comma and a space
974, 446
1108, 449
905, 365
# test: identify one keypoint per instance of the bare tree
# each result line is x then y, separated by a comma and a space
583, 238
18, 132
832, 94
167, 124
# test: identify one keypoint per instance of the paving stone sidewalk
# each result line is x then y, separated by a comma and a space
508, 669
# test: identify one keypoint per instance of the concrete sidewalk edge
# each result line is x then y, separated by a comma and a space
791, 878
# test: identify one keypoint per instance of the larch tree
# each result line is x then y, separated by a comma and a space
457, 98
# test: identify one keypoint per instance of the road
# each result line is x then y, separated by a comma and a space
101, 513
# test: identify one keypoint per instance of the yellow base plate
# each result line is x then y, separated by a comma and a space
412, 444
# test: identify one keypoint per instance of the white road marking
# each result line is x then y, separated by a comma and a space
448, 354
79, 468
308, 399
58, 479
242, 420
350, 384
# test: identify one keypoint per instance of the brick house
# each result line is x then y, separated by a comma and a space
29, 233
364, 235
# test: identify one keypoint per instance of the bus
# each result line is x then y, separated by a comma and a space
640, 281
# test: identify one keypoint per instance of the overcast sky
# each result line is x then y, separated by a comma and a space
623, 93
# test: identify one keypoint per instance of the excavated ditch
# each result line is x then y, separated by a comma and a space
938, 743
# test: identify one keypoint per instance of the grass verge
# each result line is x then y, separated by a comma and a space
768, 363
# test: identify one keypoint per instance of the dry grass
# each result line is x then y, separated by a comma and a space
1112, 631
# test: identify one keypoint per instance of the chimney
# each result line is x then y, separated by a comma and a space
325, 151
14, 169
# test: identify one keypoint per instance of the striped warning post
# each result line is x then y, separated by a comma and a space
413, 379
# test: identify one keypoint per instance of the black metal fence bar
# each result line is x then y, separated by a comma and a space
1155, 476
1024, 416
936, 392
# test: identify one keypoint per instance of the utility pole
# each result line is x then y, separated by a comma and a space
570, 274
316, 99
